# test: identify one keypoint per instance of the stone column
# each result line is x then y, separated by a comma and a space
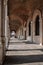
2, 31
8, 31
27, 31
23, 32
6, 25
0, 36
41, 31
20, 32
31, 31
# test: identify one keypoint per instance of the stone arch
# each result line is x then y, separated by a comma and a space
37, 38
13, 17
36, 12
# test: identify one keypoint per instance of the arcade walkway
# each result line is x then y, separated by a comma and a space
21, 52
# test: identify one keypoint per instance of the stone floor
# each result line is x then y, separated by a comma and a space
23, 53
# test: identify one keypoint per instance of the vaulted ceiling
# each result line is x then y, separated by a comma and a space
20, 10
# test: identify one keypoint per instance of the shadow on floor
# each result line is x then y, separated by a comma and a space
29, 42
23, 59
24, 50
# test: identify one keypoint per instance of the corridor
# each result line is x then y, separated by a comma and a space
22, 52
21, 32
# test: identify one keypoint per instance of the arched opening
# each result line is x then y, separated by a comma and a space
13, 34
37, 26
29, 28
